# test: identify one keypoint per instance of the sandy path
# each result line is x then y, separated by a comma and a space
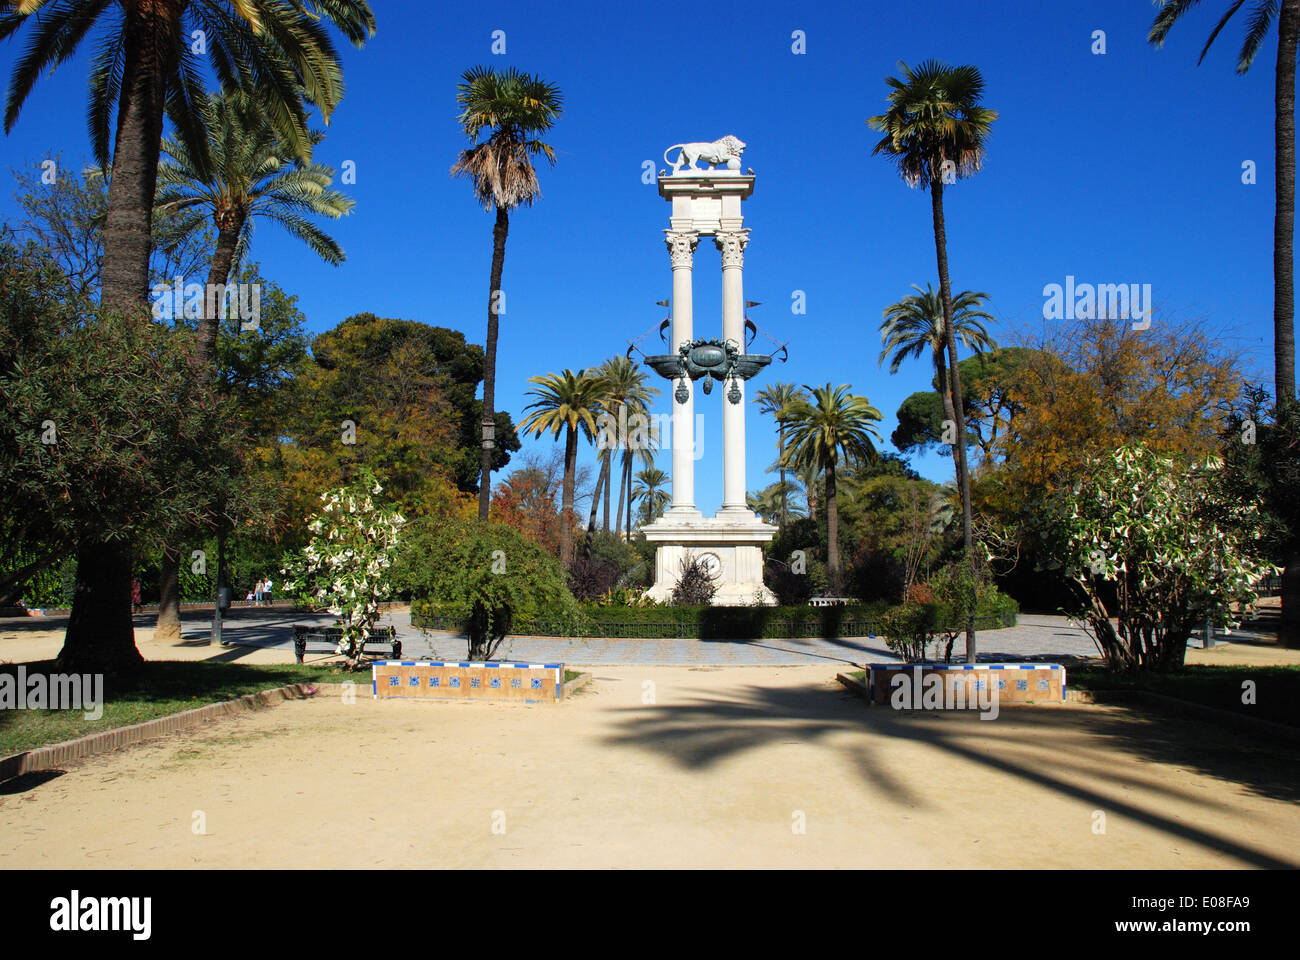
713, 773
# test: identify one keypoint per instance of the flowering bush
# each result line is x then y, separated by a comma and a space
345, 566
1152, 548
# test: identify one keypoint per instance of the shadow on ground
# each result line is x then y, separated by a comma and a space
1070, 751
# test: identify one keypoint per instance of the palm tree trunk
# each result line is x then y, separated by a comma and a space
167, 628
601, 484
223, 257
566, 499
628, 471
832, 532
100, 635
499, 232
963, 476
780, 446
622, 491
1284, 218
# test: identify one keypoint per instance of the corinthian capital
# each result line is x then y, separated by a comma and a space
681, 248
732, 245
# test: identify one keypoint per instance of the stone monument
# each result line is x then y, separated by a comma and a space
706, 203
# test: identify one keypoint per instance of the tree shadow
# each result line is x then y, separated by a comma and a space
1085, 753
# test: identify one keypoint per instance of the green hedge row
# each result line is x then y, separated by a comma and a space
714, 623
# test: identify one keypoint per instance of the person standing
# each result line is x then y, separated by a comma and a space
136, 605
266, 592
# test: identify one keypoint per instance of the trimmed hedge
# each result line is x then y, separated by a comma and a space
714, 623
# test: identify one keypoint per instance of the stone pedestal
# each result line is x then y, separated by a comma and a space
734, 548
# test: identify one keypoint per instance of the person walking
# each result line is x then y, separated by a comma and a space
266, 592
257, 593
136, 605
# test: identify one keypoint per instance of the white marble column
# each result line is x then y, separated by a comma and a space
681, 248
732, 245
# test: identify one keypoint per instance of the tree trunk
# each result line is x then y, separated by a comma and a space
566, 498
628, 471
167, 628
1284, 218
622, 492
1289, 628
832, 532
780, 447
100, 633
223, 257
958, 416
602, 483
168, 625
499, 232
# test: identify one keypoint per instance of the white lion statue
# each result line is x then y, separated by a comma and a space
724, 152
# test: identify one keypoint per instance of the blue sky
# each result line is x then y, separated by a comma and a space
1116, 168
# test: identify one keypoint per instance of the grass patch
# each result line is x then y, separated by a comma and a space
571, 675
161, 688
1276, 695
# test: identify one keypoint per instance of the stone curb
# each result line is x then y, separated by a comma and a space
1264, 728
93, 744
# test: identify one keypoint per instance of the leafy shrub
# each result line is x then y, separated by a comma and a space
485, 579
910, 629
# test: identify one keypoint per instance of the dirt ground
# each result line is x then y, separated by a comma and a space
670, 767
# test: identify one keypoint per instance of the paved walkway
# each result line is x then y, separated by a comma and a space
1034, 637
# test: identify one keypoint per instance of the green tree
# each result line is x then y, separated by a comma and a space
568, 402
778, 400
628, 398
512, 108
1288, 41
107, 436
1153, 545
935, 130
145, 68
651, 490
248, 174
915, 326
834, 425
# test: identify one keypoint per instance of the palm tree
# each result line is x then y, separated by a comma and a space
778, 400
565, 401
252, 174
144, 66
771, 503
935, 129
915, 324
629, 399
513, 108
1288, 41
650, 491
835, 424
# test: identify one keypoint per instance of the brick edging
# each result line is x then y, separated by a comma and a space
93, 744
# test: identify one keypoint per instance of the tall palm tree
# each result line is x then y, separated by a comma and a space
1288, 41
935, 128
777, 400
512, 108
915, 324
143, 68
629, 398
252, 175
834, 425
565, 401
651, 491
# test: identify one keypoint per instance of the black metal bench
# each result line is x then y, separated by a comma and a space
384, 637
